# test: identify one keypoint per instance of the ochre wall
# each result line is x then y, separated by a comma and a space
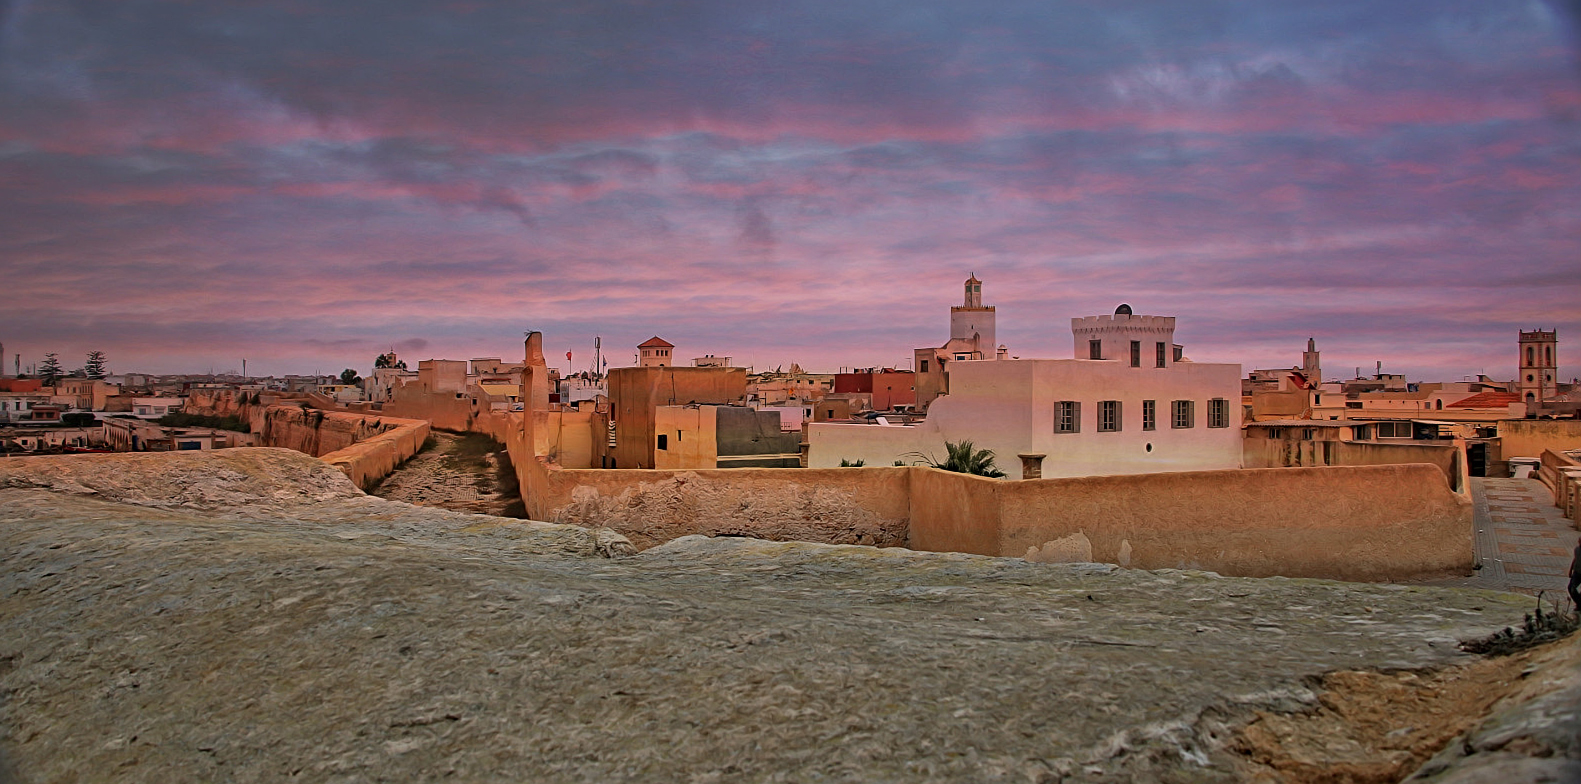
650, 507
366, 447
444, 410
953, 512
1449, 458
1390, 522
1532, 437
635, 392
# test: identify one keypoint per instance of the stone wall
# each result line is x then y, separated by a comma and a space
1385, 522
1391, 522
452, 411
1532, 437
833, 506
365, 447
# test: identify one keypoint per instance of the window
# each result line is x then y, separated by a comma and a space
1353, 404
1108, 416
1308, 434
1159, 351
924, 366
1067, 417
1136, 353
1180, 353
1438, 405
1394, 429
1219, 413
1529, 358
664, 441
1150, 414
1095, 349
1361, 433
1184, 412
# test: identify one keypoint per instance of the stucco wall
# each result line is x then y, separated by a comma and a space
1448, 458
1532, 437
1008, 407
689, 437
634, 393
444, 410
1391, 522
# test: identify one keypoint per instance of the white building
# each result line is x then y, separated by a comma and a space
1137, 409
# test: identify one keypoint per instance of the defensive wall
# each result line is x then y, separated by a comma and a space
365, 446
1308, 453
1532, 437
1384, 522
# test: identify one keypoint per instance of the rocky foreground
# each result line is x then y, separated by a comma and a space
249, 615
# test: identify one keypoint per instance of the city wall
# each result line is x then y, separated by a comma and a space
451, 411
1532, 437
1384, 522
1389, 522
365, 447
650, 507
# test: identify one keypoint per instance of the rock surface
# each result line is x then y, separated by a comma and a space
248, 615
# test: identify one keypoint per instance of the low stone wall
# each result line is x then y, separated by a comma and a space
365, 447
1449, 458
367, 462
1562, 474
833, 506
1392, 522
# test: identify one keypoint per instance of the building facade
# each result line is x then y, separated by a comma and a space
1070, 417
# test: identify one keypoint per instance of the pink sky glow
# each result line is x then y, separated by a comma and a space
305, 185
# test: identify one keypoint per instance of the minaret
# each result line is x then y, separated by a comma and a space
1311, 367
1538, 365
971, 321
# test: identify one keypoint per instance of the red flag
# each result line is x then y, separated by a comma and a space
568, 356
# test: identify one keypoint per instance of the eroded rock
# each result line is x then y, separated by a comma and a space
327, 635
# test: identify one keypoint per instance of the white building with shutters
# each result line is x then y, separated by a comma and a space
1128, 402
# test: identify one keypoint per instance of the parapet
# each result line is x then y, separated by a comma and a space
1123, 322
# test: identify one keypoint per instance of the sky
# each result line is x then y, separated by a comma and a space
308, 184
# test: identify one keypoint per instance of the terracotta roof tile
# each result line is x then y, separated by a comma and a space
1486, 400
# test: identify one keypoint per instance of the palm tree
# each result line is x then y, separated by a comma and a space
962, 458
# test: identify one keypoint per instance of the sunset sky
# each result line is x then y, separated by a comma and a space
306, 184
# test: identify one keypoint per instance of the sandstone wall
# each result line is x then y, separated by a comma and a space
833, 506
1532, 437
1449, 458
444, 410
365, 447
1391, 522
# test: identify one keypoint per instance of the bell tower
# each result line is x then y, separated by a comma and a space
1538, 365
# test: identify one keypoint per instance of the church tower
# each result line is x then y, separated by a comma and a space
973, 322
1538, 365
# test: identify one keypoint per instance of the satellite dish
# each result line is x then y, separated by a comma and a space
1123, 310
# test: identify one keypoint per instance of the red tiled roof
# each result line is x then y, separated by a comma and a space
1486, 400
655, 342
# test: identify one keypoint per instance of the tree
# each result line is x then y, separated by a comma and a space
389, 361
49, 370
94, 367
962, 458
349, 376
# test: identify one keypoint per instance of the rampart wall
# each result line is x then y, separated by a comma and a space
365, 447
452, 411
1387, 522
1532, 437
